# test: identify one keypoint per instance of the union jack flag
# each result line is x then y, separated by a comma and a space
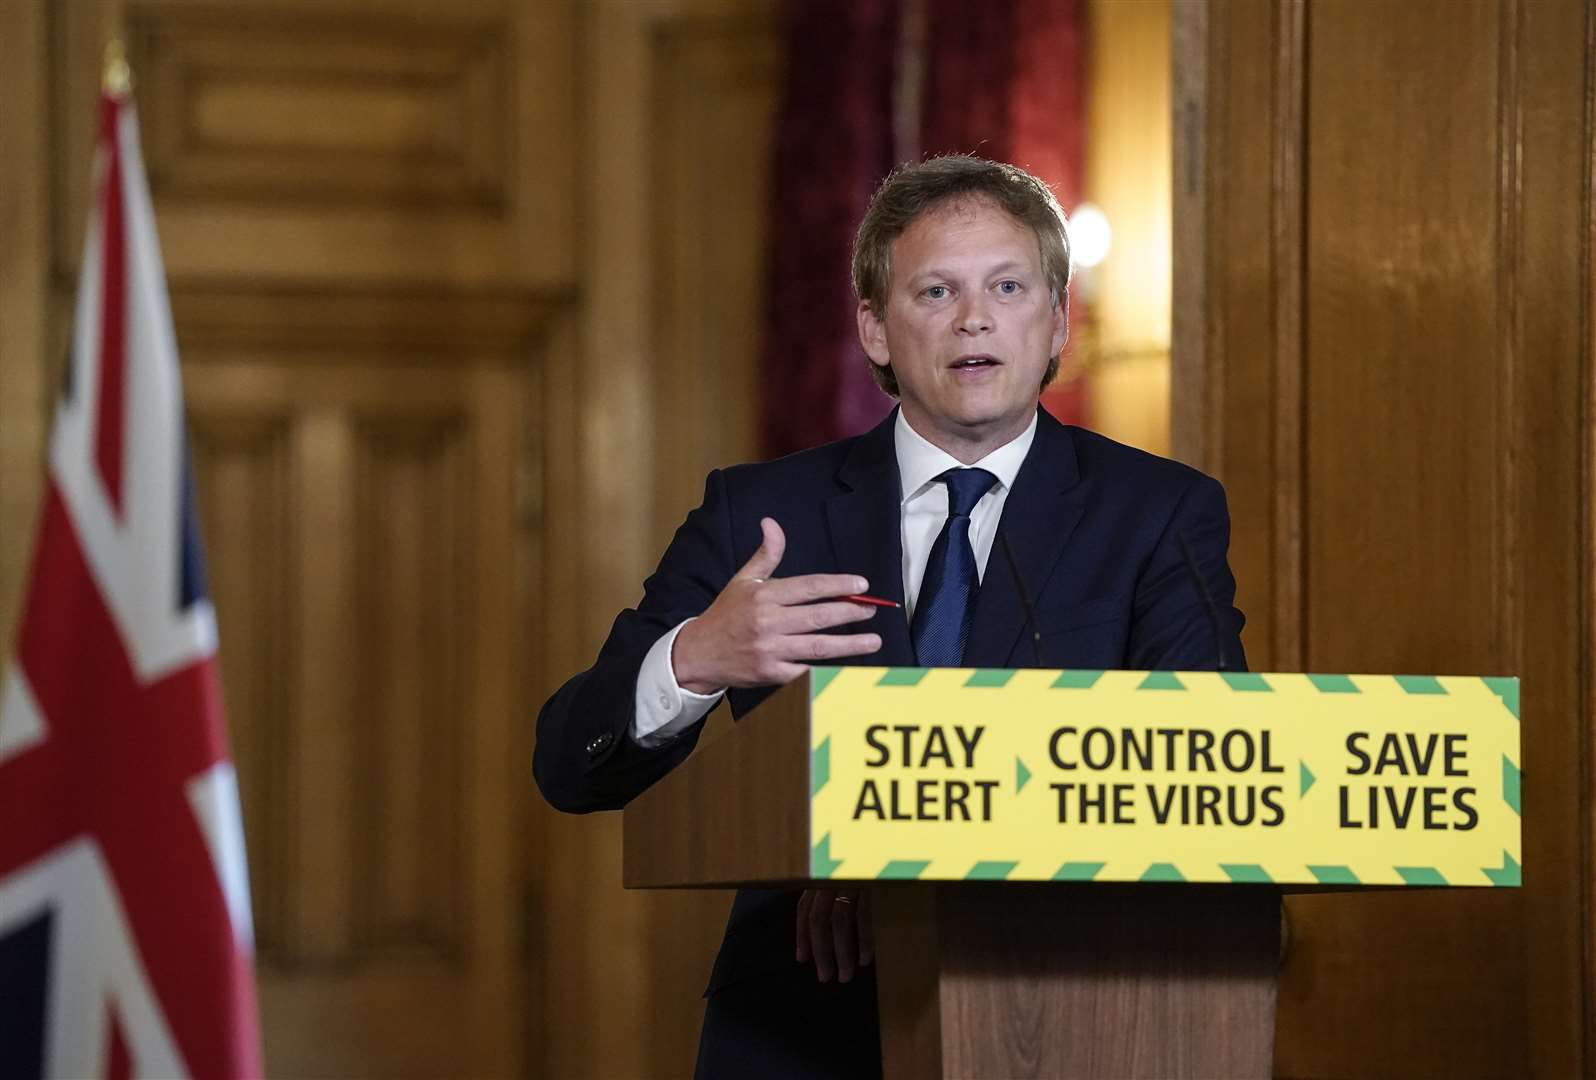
126, 943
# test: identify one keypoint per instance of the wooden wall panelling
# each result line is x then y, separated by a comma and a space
364, 520
330, 106
507, 406
1236, 354
598, 949
242, 464
1549, 620
24, 294
550, 504
413, 611
258, 255
716, 80
1288, 412
587, 936
1405, 503
716, 84
366, 215
326, 703
563, 853
371, 140
1402, 372
1367, 372
1194, 46
77, 35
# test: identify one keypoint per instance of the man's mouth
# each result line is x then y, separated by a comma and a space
976, 360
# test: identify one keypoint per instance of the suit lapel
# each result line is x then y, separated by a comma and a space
867, 536
1038, 517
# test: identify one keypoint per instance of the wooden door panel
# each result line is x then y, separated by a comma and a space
371, 140
414, 614
1385, 255
242, 469
1403, 437
342, 507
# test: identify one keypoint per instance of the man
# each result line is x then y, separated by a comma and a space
961, 268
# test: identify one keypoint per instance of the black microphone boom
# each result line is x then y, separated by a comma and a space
1208, 602
1025, 599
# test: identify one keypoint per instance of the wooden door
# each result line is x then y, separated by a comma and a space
1383, 348
363, 554
371, 261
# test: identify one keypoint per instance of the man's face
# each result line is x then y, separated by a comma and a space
970, 327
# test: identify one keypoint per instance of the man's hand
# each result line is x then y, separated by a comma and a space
761, 630
834, 930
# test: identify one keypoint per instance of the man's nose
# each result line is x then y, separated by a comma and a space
973, 317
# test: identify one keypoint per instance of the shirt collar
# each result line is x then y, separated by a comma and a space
920, 462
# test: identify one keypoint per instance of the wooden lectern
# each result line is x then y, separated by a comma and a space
985, 979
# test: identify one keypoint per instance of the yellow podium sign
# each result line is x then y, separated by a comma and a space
1032, 775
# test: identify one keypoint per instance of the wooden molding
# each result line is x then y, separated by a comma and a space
715, 87
292, 106
1289, 646
350, 320
25, 206
243, 463
1508, 420
1190, 412
411, 496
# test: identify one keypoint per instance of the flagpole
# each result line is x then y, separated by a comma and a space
116, 77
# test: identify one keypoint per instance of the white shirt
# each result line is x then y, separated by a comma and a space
665, 710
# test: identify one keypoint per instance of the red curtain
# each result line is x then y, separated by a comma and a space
1003, 79
833, 146
1008, 81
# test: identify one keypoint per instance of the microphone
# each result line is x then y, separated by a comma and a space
1207, 599
1025, 598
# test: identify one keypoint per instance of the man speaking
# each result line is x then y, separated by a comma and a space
961, 268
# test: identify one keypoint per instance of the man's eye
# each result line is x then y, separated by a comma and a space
936, 292
1008, 288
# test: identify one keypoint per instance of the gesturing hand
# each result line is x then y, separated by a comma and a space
834, 930
760, 630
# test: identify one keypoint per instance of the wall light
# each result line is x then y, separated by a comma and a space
1090, 235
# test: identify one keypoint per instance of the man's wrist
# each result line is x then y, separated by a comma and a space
682, 671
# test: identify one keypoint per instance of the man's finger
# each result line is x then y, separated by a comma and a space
763, 563
845, 934
786, 673
822, 944
807, 588
804, 903
807, 618
808, 648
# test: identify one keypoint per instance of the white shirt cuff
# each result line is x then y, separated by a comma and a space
664, 708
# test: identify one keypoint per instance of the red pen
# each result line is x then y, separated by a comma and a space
874, 600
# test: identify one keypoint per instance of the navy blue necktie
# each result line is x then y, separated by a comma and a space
947, 592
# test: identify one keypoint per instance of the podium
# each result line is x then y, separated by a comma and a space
1087, 970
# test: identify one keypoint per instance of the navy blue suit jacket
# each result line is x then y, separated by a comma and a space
1093, 526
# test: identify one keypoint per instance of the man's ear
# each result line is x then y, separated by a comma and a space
873, 335
1061, 324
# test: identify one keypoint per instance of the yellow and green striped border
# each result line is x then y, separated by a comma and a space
1508, 874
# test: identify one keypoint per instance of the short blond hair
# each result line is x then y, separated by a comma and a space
911, 190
